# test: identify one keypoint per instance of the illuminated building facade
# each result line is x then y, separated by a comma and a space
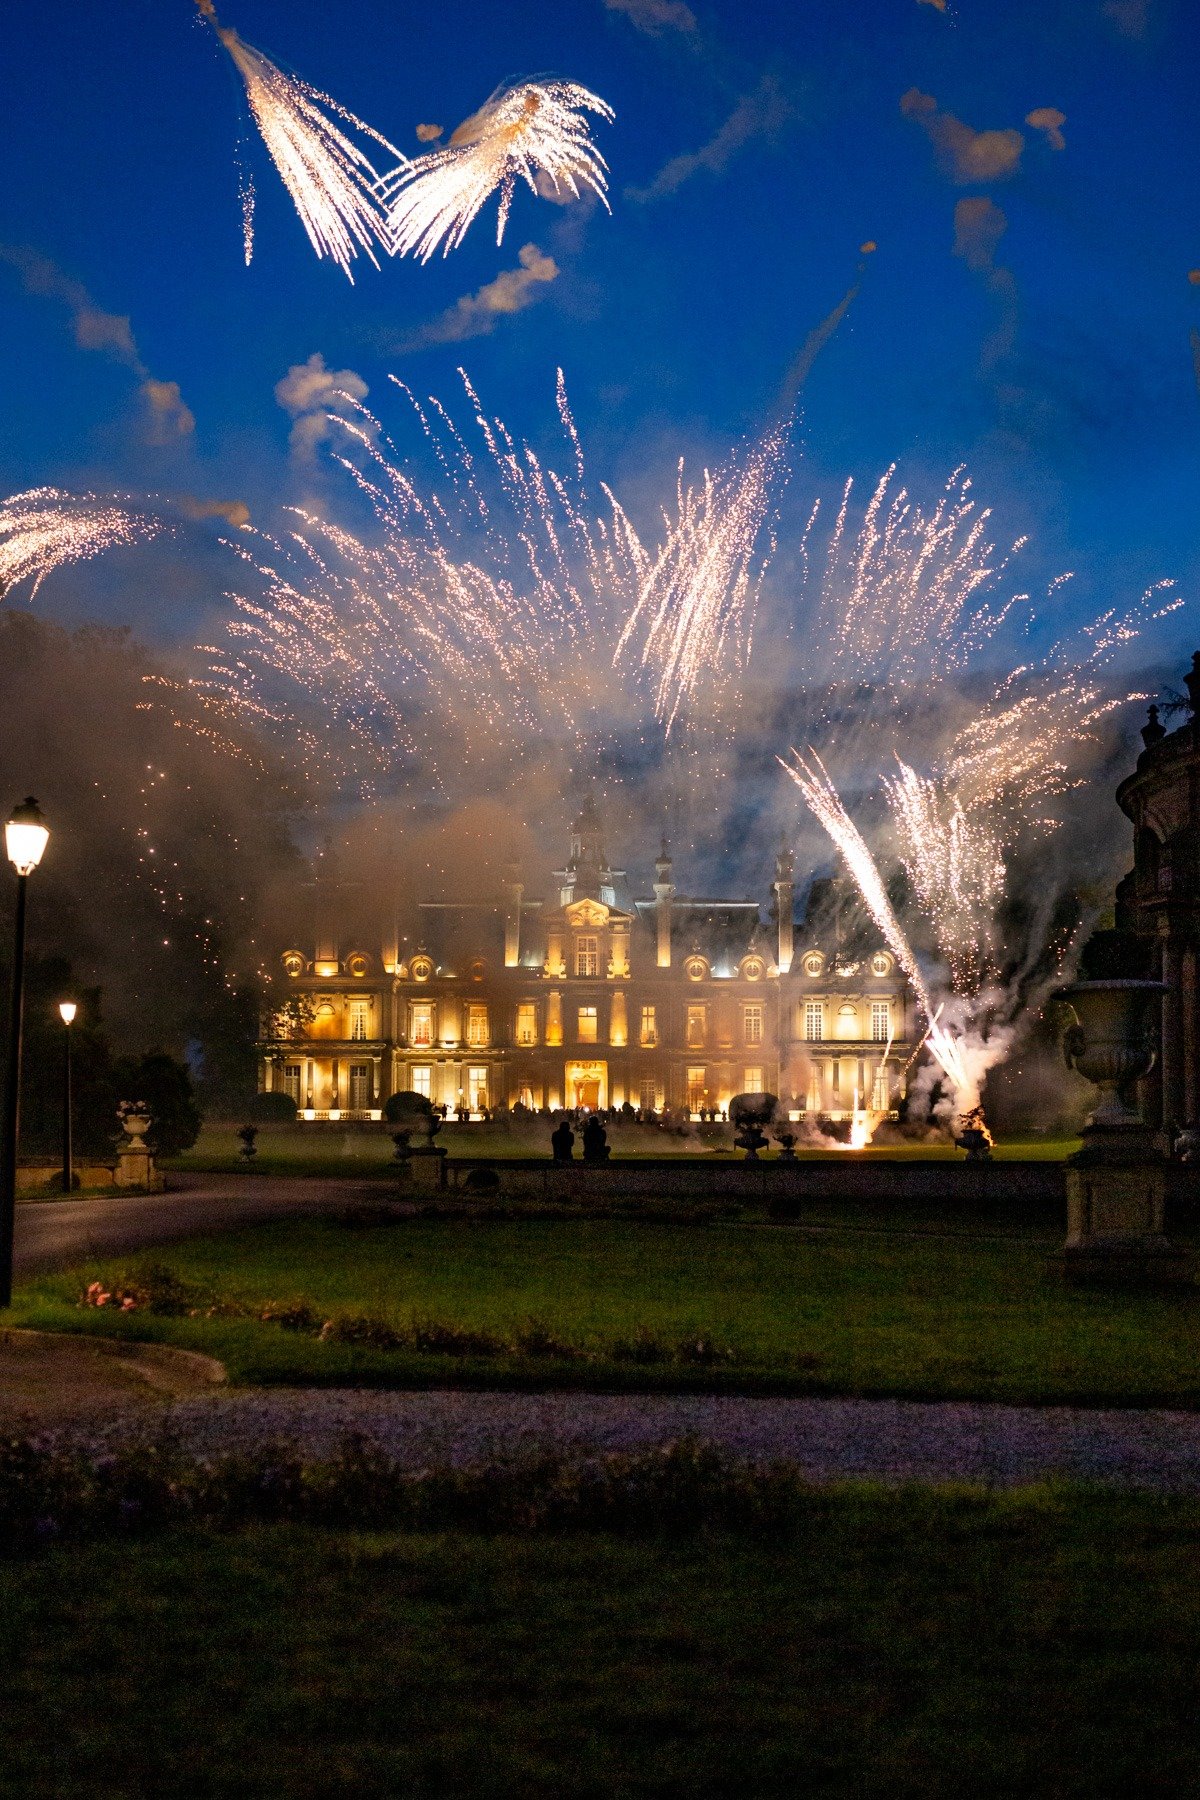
592, 998
1159, 900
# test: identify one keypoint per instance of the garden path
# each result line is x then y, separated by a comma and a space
886, 1440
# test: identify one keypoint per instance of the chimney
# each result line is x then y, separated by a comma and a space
664, 893
784, 869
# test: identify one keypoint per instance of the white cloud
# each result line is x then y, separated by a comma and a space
317, 398
474, 315
655, 16
760, 114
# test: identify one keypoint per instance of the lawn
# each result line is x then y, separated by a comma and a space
918, 1646
367, 1150
917, 1313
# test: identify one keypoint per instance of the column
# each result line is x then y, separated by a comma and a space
1173, 1104
618, 1027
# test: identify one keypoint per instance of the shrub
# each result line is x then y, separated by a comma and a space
703, 1351
535, 1338
166, 1088
292, 1315
643, 1347
275, 1108
150, 1287
361, 1329
435, 1336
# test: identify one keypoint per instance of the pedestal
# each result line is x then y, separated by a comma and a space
1115, 1218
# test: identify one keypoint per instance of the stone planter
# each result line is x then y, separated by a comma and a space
1116, 1184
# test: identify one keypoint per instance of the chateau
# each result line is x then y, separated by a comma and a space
591, 997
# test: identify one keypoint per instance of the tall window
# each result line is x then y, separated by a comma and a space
648, 1095
752, 1081
420, 1024
695, 1027
527, 1023
291, 1081
587, 956
477, 1025
358, 1020
360, 1086
881, 1021
477, 1089
695, 1089
814, 1021
881, 1098
422, 1082
847, 1020
649, 1032
587, 1025
816, 1086
752, 1025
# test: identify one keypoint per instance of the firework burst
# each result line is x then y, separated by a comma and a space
44, 529
535, 132
331, 180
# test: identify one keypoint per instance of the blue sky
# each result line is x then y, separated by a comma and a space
1054, 360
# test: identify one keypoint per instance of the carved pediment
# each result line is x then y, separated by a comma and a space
587, 915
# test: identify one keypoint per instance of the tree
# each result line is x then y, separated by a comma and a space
166, 1088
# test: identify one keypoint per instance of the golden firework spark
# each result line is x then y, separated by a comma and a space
533, 131
332, 180
45, 528
697, 599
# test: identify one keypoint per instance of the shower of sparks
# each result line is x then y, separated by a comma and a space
910, 585
536, 131
486, 616
331, 179
43, 529
696, 604
955, 865
824, 802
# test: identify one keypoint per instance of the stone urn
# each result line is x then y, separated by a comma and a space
1116, 1184
136, 1124
1113, 1045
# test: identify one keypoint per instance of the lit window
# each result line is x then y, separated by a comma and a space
881, 1099
752, 1024
696, 1027
358, 1020
477, 1025
814, 1021
816, 1084
420, 1025
649, 1033
847, 1021
477, 1089
881, 1021
527, 1023
587, 956
752, 1081
422, 1082
881, 963
293, 962
422, 968
814, 962
291, 1081
696, 1091
752, 968
588, 1029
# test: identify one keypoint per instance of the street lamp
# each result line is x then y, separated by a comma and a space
66, 1012
25, 838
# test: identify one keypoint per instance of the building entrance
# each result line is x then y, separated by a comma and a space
587, 1085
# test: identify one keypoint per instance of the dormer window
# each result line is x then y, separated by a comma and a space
293, 963
587, 956
814, 963
881, 963
422, 968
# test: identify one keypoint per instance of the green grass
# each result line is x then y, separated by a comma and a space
919, 1314
358, 1151
909, 1646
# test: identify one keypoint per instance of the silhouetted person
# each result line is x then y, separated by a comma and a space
562, 1141
595, 1141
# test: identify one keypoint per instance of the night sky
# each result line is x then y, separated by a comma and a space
1040, 333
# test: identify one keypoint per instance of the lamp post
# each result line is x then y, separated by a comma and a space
66, 1011
25, 838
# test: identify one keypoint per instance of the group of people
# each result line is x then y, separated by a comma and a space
595, 1140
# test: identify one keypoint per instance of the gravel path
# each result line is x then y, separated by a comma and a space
888, 1440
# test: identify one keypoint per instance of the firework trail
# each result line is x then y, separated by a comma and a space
534, 131
695, 607
43, 529
331, 180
